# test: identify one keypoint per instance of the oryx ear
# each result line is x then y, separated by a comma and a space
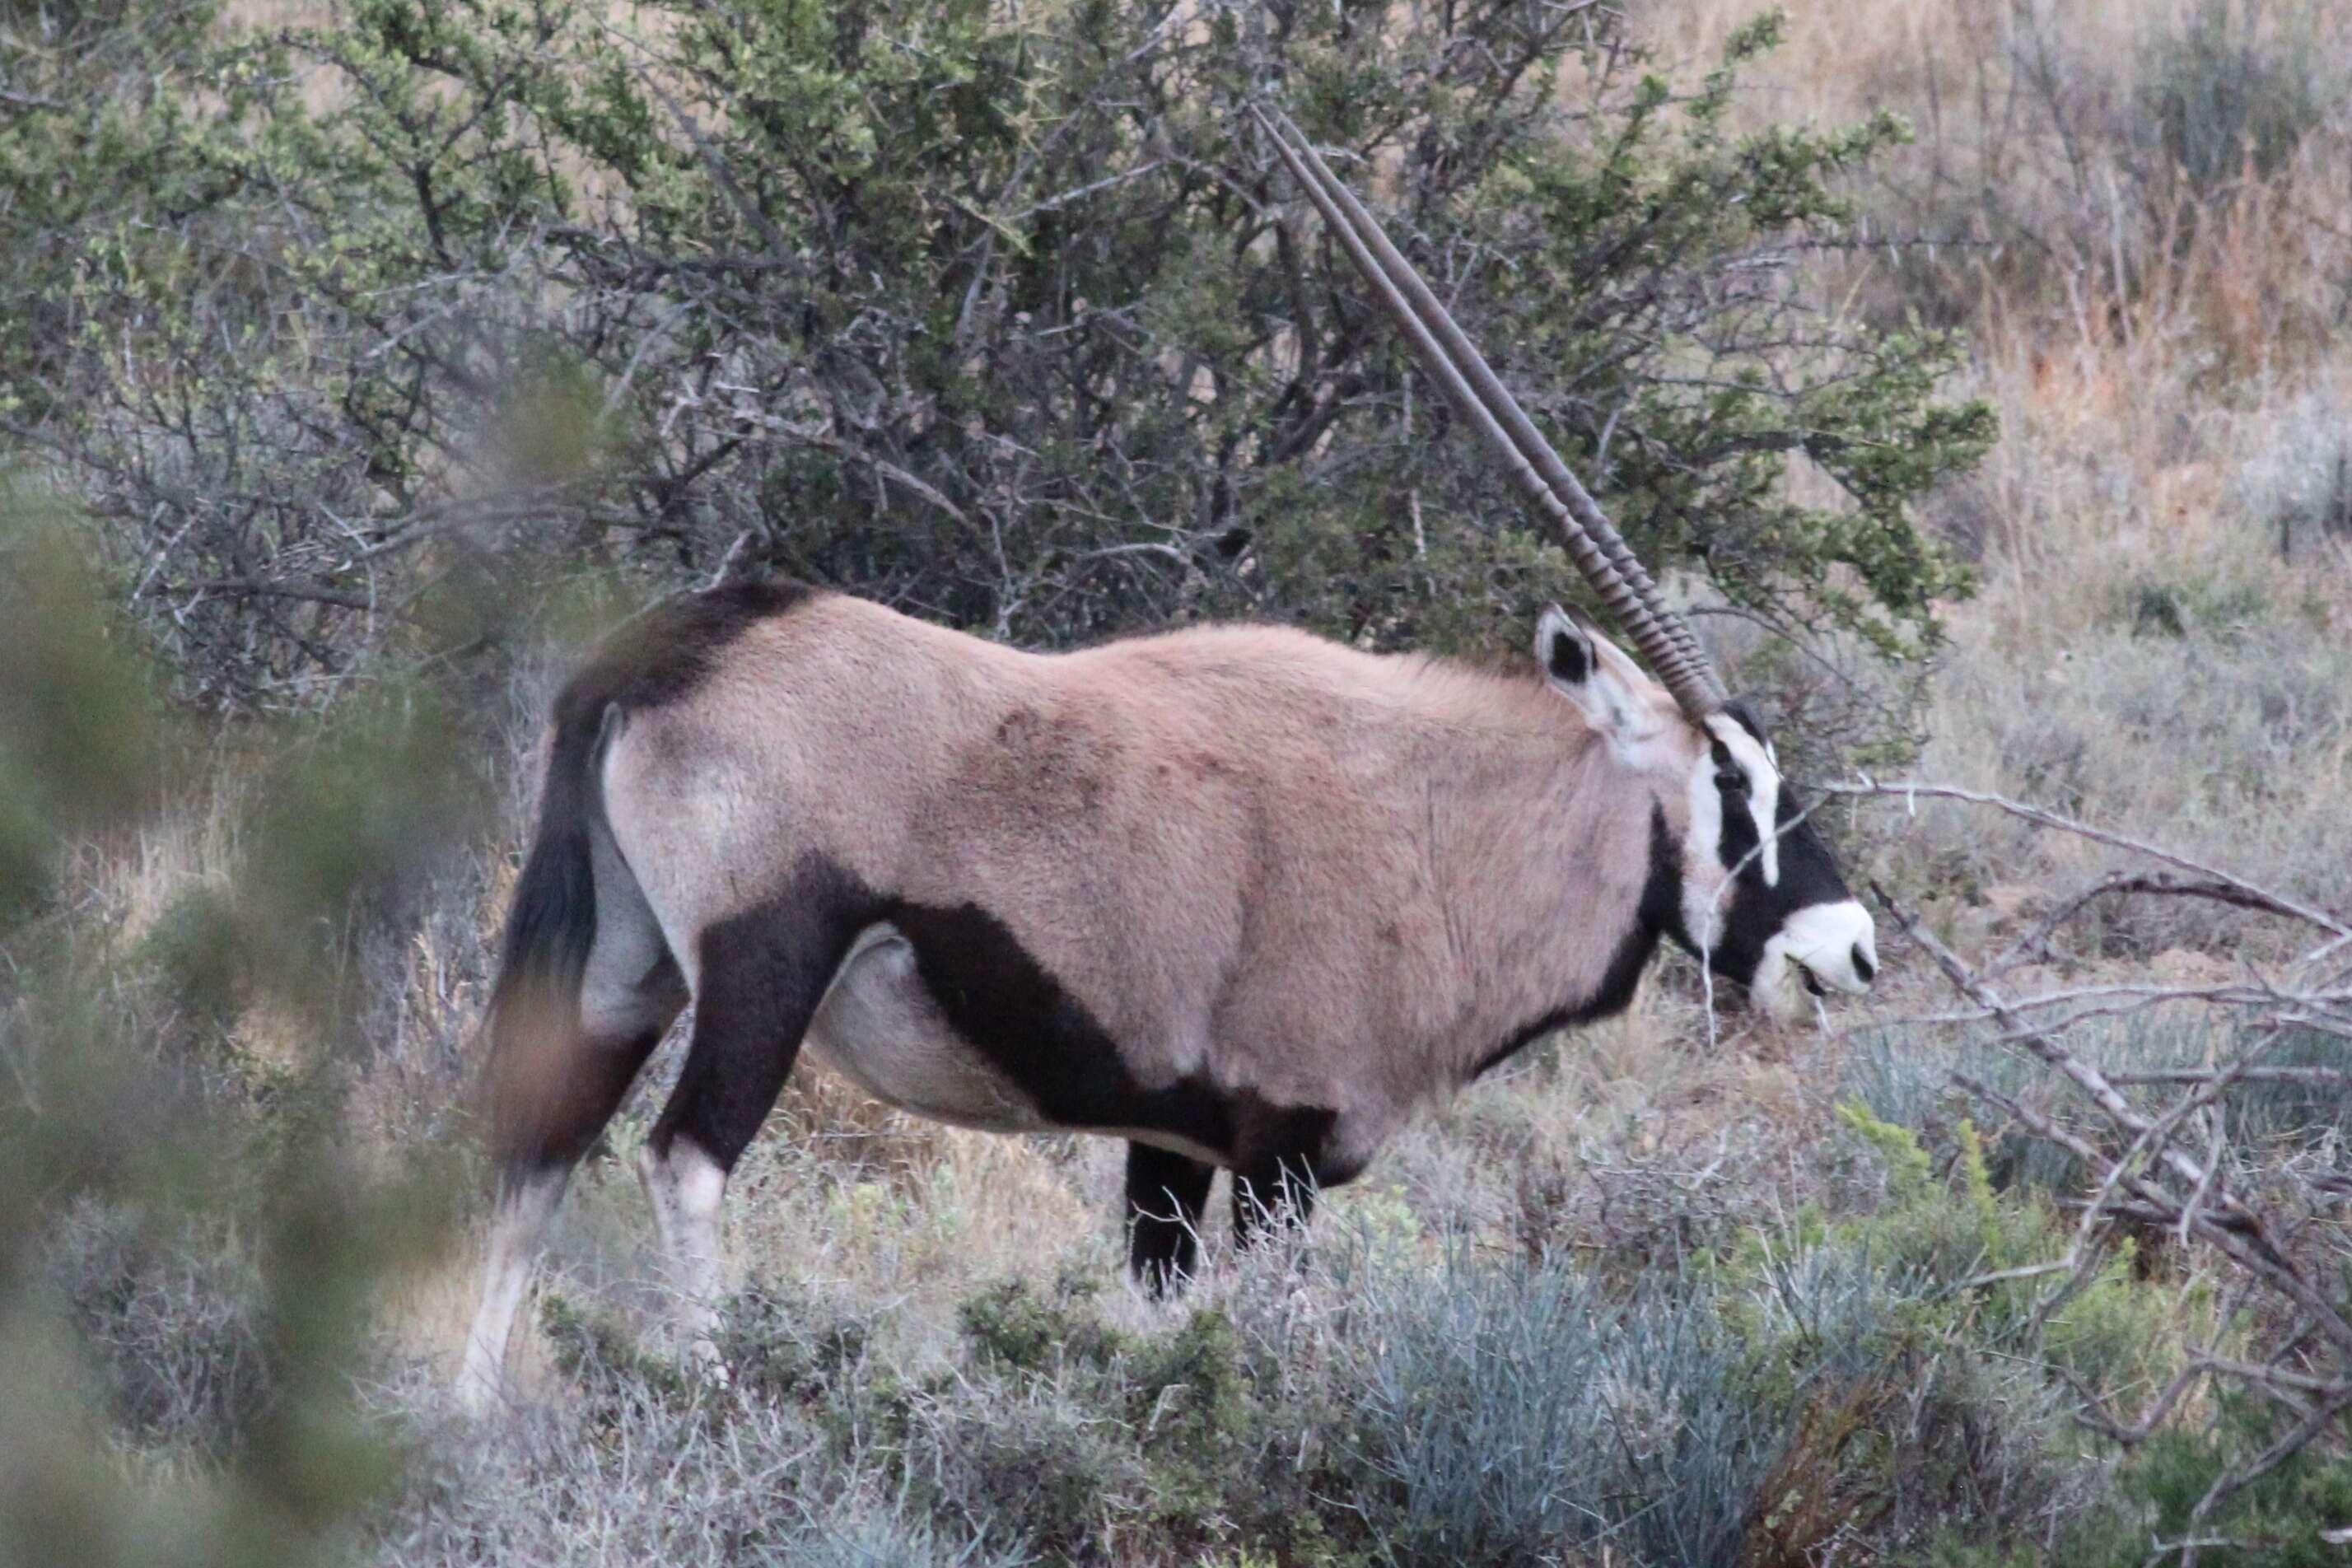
1592, 672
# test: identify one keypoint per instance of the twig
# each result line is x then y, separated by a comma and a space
2237, 1239
2277, 903
244, 588
2116, 883
2323, 1078
2087, 1078
2231, 1480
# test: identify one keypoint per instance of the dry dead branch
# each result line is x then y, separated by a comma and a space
2166, 1160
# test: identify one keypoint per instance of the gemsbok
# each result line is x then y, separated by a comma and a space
1238, 895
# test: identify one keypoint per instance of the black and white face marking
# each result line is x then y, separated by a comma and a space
1746, 771
1762, 896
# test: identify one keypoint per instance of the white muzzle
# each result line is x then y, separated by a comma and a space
1836, 945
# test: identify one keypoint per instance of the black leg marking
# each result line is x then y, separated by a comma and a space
1285, 1158
1165, 1194
1016, 1014
763, 973
551, 1092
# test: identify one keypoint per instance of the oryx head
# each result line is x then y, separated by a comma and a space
1760, 897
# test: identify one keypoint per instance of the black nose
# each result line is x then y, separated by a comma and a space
1861, 964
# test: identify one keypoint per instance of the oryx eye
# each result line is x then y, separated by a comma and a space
1731, 781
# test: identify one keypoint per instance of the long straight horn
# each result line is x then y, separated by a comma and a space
1479, 395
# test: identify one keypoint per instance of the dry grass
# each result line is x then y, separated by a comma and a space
2162, 642
2159, 643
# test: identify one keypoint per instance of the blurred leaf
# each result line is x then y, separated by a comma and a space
82, 741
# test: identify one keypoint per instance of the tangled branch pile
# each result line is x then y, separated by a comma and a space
2168, 1152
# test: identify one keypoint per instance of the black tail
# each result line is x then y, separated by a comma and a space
552, 926
551, 1087
548, 1096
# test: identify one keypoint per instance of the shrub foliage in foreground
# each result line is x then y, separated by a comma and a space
190, 1254
997, 312
1869, 1387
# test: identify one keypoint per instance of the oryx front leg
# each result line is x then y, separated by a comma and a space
1165, 1194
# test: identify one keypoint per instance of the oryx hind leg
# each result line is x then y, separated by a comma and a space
759, 978
557, 1072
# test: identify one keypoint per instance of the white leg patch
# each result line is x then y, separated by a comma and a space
516, 1231
686, 1190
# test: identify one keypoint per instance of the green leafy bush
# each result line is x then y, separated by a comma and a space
1001, 315
187, 1264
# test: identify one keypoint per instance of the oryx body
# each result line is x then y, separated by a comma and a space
1242, 895
1238, 895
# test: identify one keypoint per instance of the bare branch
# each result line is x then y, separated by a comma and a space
2254, 897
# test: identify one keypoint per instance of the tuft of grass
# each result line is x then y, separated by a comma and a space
2233, 90
1513, 1412
1396, 1408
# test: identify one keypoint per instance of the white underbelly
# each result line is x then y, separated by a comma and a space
880, 1027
